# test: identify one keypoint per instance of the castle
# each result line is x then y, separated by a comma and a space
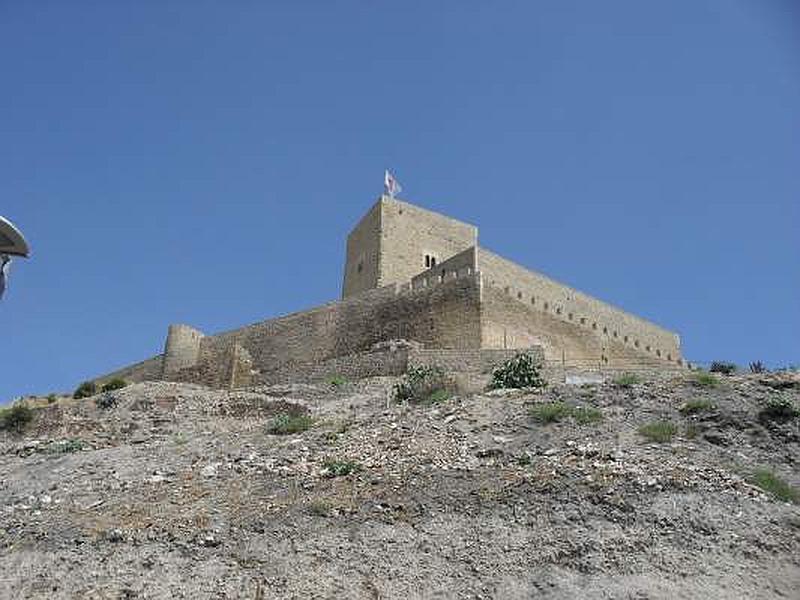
418, 289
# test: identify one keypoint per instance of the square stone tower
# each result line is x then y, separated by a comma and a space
395, 241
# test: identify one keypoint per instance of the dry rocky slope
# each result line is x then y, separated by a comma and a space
179, 491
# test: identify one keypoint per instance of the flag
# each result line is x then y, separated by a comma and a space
390, 184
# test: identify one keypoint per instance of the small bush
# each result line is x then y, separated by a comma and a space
114, 384
337, 381
696, 406
521, 371
106, 401
16, 418
423, 385
775, 486
553, 412
64, 446
725, 368
550, 412
626, 380
691, 431
586, 415
340, 468
285, 424
757, 367
659, 431
778, 408
84, 390
703, 379
51, 398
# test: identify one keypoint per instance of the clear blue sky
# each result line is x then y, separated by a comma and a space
202, 162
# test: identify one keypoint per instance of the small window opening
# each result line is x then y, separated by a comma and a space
615, 334
546, 305
558, 311
569, 316
533, 299
647, 348
360, 267
658, 352
519, 295
427, 261
594, 325
433, 261
626, 339
583, 320
636, 343
605, 330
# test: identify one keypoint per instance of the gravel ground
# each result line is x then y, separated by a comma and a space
179, 491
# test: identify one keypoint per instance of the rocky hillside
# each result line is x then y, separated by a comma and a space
668, 489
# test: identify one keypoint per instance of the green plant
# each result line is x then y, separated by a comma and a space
85, 389
114, 384
775, 486
16, 418
703, 379
725, 368
550, 412
691, 431
778, 408
659, 431
106, 401
695, 406
521, 371
626, 380
423, 385
757, 367
286, 424
51, 398
64, 446
586, 415
337, 381
340, 468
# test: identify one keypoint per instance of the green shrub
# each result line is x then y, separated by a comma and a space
114, 384
553, 412
106, 401
521, 371
775, 486
51, 398
550, 412
586, 415
778, 408
85, 389
703, 379
340, 468
757, 367
16, 418
64, 446
659, 431
695, 406
337, 381
626, 380
725, 368
423, 385
286, 424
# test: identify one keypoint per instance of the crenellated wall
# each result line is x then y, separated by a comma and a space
588, 317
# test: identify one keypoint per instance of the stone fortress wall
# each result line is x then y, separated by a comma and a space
412, 274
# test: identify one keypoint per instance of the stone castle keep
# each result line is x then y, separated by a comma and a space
418, 289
